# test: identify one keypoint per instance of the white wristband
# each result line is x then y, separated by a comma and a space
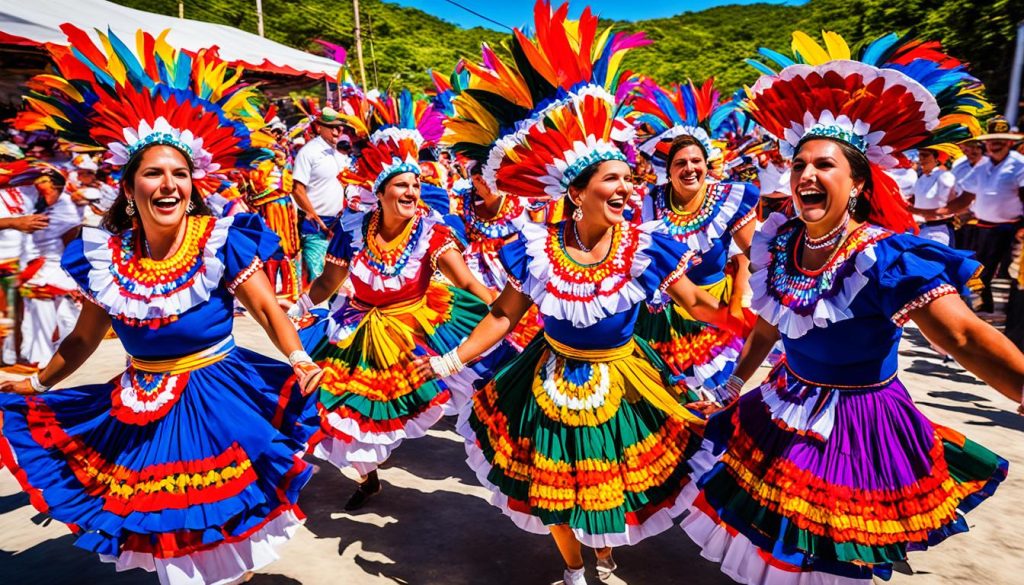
38, 386
298, 356
306, 303
447, 365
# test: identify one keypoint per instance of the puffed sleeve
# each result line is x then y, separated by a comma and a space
513, 257
249, 244
913, 272
660, 262
74, 262
442, 239
341, 249
746, 209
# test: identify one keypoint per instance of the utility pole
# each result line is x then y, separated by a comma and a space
181, 8
359, 43
259, 17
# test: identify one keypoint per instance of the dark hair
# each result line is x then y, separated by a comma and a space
681, 142
117, 220
860, 170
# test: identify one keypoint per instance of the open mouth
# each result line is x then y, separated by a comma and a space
617, 203
811, 197
166, 203
689, 178
407, 202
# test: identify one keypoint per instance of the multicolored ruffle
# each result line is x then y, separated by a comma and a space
797, 479
601, 445
697, 354
370, 400
795, 300
193, 494
722, 212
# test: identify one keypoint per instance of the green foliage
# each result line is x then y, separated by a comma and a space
401, 44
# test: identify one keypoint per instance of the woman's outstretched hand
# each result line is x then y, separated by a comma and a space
421, 368
23, 387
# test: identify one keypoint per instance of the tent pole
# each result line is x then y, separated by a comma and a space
259, 17
359, 43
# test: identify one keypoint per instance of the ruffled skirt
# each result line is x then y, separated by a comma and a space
369, 399
195, 475
699, 355
598, 445
800, 484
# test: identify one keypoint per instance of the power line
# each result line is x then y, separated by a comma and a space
478, 15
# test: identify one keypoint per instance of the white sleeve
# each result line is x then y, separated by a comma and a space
302, 169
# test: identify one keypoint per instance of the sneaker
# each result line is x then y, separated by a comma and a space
605, 567
366, 490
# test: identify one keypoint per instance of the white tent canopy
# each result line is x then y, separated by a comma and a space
38, 21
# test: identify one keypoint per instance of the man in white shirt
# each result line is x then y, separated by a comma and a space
49, 312
973, 153
932, 194
996, 188
317, 191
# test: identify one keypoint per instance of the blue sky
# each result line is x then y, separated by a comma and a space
518, 13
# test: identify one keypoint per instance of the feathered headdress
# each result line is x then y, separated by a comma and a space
536, 121
897, 94
399, 127
108, 96
661, 115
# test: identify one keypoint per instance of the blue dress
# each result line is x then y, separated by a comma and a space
828, 473
188, 463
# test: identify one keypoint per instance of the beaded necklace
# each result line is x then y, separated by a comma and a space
574, 281
681, 225
498, 227
800, 289
391, 259
132, 269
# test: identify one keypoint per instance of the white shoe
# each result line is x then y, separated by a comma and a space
572, 577
605, 567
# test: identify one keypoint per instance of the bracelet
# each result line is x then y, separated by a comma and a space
37, 386
298, 356
734, 385
447, 365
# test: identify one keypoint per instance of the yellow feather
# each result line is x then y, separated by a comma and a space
114, 65
836, 46
808, 49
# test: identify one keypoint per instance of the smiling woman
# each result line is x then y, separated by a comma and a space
369, 403
828, 472
186, 463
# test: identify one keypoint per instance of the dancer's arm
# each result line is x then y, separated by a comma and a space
454, 267
976, 345
327, 283
92, 325
506, 312
257, 295
756, 348
699, 303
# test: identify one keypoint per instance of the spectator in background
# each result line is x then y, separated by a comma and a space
317, 191
996, 188
931, 198
973, 153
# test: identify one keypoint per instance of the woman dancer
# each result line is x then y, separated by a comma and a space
368, 401
828, 473
188, 464
707, 215
580, 435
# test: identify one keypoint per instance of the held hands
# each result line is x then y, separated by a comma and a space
309, 375
438, 366
306, 371
301, 308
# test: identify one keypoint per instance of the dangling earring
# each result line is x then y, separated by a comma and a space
191, 205
853, 201
130, 208
577, 214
